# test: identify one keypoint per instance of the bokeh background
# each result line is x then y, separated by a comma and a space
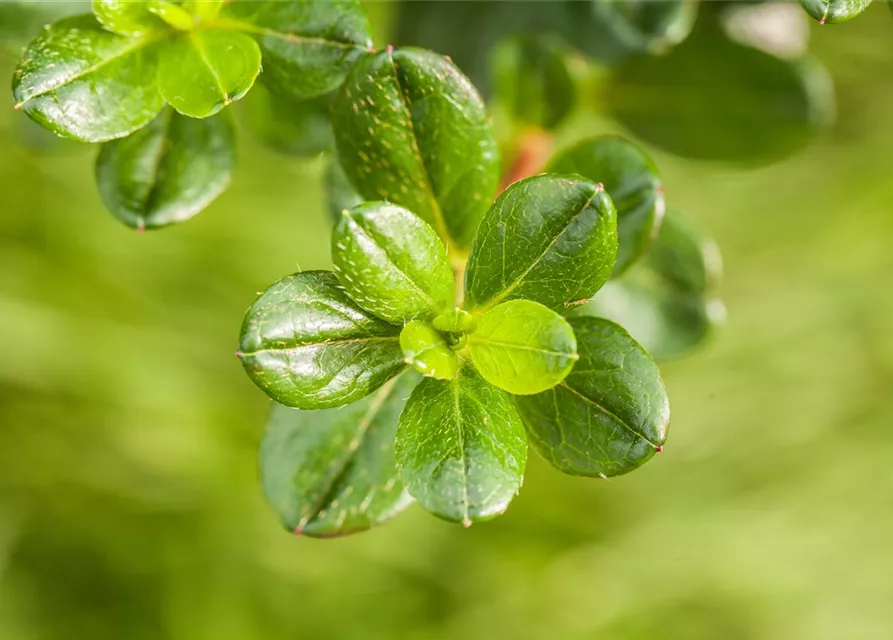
129, 504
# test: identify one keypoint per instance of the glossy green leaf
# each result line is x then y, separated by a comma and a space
126, 17
523, 347
714, 99
427, 352
391, 262
533, 79
292, 127
615, 28
83, 82
461, 448
549, 238
333, 472
833, 11
340, 193
455, 321
167, 171
667, 302
634, 184
411, 129
308, 345
173, 14
202, 71
611, 413
308, 45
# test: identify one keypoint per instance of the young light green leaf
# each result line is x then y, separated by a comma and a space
167, 171
425, 350
340, 193
293, 127
455, 321
551, 239
83, 82
173, 14
461, 448
126, 17
333, 472
203, 71
411, 129
391, 262
534, 83
609, 416
666, 301
308, 45
523, 347
634, 184
834, 11
307, 345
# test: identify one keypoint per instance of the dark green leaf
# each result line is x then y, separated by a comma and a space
82, 82
391, 262
339, 191
609, 415
167, 171
293, 127
411, 129
549, 238
634, 184
461, 448
203, 71
333, 472
666, 302
611, 29
534, 83
523, 347
126, 17
832, 11
714, 99
427, 352
308, 345
308, 45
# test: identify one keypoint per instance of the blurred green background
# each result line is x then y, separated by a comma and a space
129, 505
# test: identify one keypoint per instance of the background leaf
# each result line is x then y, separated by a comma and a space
126, 17
631, 179
293, 127
308, 46
333, 472
340, 193
82, 82
461, 448
308, 345
203, 71
609, 415
411, 129
523, 347
167, 171
549, 238
391, 262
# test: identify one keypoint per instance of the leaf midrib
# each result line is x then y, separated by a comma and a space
230, 24
520, 347
608, 413
326, 343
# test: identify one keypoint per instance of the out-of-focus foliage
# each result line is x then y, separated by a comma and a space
129, 502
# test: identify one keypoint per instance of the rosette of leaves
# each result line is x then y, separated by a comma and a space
149, 80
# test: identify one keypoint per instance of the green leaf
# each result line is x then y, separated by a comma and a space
534, 83
333, 472
523, 347
834, 11
82, 82
634, 184
427, 352
714, 99
461, 448
455, 321
611, 29
667, 302
551, 239
611, 413
292, 127
126, 17
203, 71
391, 262
308, 45
173, 14
411, 129
307, 345
340, 193
167, 171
